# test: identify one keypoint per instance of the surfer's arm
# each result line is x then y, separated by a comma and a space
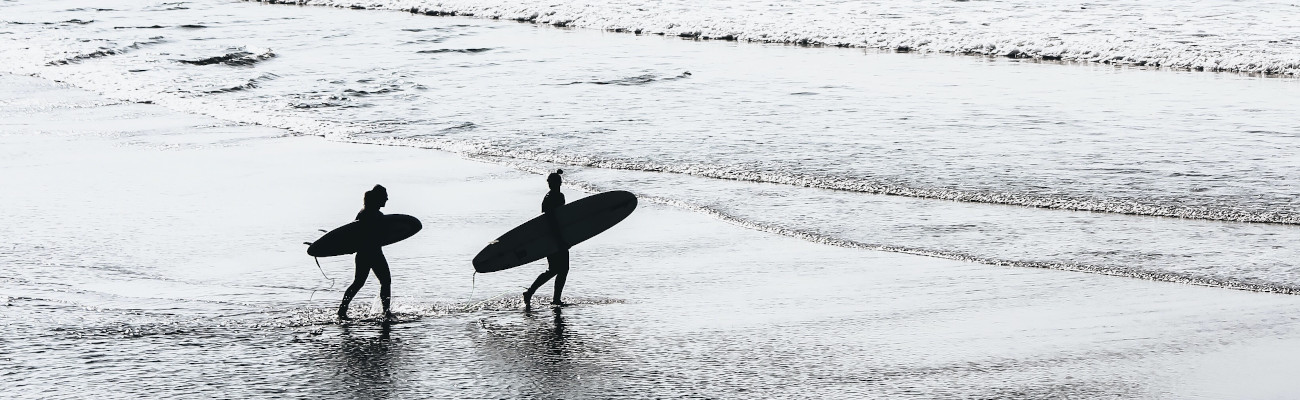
552, 202
370, 227
554, 223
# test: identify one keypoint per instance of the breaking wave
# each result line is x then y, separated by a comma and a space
1202, 278
105, 52
250, 84
238, 57
634, 80
867, 185
1192, 35
465, 51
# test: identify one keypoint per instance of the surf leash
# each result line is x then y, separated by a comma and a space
477, 306
322, 273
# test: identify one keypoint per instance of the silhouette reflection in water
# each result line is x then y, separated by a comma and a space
552, 367
366, 362
540, 354
555, 341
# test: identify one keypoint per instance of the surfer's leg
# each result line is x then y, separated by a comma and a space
537, 283
358, 280
385, 291
560, 266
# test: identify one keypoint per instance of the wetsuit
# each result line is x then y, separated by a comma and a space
369, 258
558, 263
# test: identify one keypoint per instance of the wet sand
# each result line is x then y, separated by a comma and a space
157, 253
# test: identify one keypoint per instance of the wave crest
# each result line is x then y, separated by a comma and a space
1182, 36
874, 186
105, 52
237, 57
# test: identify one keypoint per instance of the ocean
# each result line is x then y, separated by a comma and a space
1111, 148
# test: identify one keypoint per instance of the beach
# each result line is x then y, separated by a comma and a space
865, 200
160, 254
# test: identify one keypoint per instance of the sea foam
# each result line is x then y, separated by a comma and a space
1211, 35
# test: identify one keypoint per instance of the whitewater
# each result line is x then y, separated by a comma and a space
1053, 157
946, 199
1205, 35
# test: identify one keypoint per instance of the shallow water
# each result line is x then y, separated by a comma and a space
832, 128
147, 264
155, 249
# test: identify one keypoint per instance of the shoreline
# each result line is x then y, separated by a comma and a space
522, 161
1019, 140
165, 196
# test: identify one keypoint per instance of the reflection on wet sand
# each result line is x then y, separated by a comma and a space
365, 360
550, 361
556, 364
545, 351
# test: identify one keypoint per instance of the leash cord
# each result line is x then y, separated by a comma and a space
322, 273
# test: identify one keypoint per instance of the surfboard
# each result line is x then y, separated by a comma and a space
347, 239
575, 223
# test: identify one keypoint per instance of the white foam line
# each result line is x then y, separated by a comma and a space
862, 185
1112, 270
483, 152
1252, 37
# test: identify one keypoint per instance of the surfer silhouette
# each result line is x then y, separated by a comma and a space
371, 255
557, 263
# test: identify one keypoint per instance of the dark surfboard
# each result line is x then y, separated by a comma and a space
535, 239
347, 239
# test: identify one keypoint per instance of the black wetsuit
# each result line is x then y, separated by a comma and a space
369, 258
558, 263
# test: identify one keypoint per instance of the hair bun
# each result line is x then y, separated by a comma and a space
559, 171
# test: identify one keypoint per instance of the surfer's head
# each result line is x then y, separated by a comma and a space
554, 179
375, 198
